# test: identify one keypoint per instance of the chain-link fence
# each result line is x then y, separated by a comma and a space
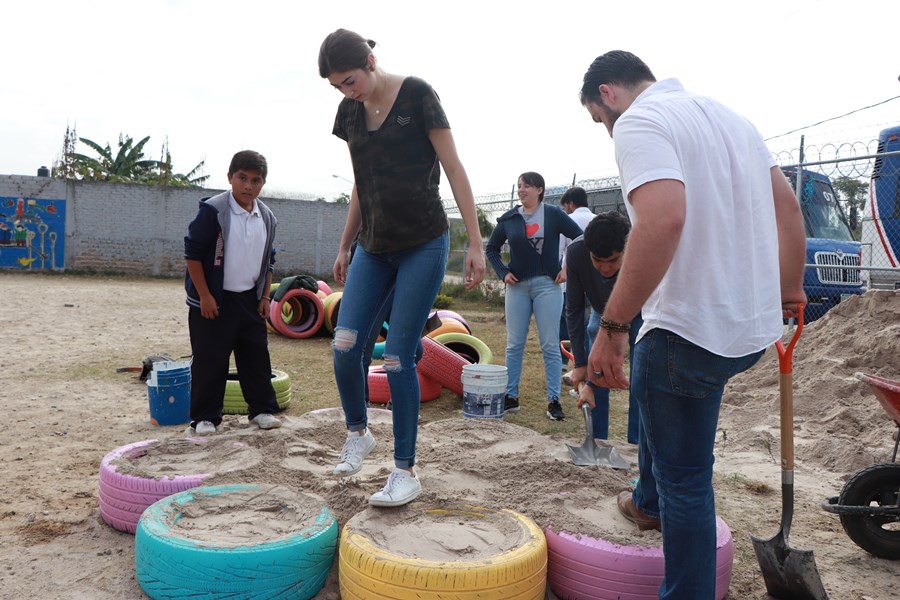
850, 195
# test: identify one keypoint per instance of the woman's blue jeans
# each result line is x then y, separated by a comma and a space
600, 414
414, 276
542, 297
678, 386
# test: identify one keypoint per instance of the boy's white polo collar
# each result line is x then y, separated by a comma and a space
238, 209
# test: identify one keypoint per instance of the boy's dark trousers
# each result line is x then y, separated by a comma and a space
240, 329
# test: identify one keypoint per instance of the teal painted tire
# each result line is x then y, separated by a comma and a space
172, 561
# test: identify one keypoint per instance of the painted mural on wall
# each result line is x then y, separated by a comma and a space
32, 233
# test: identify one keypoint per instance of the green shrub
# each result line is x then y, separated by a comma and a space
443, 301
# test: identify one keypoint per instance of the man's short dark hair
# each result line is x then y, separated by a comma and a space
616, 66
248, 160
606, 234
574, 195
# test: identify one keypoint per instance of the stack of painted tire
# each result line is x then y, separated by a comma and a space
585, 568
380, 390
451, 322
508, 561
234, 398
182, 550
287, 313
305, 315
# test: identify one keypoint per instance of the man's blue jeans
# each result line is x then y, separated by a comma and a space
600, 414
414, 276
679, 387
542, 297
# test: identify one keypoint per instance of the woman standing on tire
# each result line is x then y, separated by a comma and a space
399, 138
532, 280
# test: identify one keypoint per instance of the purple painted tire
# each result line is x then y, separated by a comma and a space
323, 287
580, 567
453, 315
124, 497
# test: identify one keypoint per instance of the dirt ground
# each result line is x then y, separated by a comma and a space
63, 336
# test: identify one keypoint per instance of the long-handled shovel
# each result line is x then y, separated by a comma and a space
790, 574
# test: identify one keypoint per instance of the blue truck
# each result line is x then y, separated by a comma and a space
881, 218
831, 250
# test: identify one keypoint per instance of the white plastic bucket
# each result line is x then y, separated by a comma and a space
484, 389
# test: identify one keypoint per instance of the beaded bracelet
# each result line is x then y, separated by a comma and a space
612, 326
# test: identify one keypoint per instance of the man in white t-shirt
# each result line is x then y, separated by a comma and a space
574, 202
716, 252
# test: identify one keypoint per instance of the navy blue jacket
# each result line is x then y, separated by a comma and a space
205, 242
524, 260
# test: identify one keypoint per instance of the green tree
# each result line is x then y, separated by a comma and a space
852, 195
342, 198
484, 223
127, 165
193, 178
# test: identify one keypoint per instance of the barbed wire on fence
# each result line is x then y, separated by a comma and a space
855, 159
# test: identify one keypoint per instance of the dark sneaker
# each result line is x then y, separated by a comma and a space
510, 404
630, 511
555, 411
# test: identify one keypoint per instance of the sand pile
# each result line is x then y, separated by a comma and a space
839, 423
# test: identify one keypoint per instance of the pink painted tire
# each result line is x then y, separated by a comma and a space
323, 287
124, 497
380, 390
308, 307
442, 364
585, 568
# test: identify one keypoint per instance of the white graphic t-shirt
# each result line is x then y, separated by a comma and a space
534, 227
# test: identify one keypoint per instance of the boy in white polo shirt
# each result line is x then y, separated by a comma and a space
230, 258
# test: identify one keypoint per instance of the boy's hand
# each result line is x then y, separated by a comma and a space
586, 396
208, 308
263, 309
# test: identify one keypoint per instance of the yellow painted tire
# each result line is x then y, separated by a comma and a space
468, 346
374, 573
448, 325
332, 306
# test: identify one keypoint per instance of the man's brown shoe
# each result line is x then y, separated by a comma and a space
631, 512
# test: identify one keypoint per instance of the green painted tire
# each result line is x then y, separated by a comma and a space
234, 403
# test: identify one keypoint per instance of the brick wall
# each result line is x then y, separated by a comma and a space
139, 229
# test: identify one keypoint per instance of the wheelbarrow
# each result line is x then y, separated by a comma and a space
869, 504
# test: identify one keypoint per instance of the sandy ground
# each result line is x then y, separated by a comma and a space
61, 335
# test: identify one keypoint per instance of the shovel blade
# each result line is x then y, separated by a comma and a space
592, 455
790, 574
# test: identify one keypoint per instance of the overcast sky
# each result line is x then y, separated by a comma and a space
215, 77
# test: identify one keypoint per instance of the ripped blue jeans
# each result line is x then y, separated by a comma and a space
415, 276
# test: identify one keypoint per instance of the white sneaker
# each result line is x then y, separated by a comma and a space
355, 449
402, 488
205, 428
265, 421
